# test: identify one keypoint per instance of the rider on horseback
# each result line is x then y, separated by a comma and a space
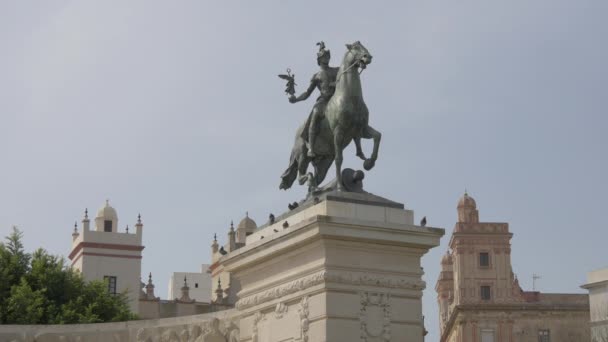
325, 80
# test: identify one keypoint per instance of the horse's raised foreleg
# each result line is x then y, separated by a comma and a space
370, 133
338, 138
359, 150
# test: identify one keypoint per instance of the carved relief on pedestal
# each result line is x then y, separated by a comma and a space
213, 333
339, 277
280, 310
256, 320
375, 316
282, 324
233, 333
304, 323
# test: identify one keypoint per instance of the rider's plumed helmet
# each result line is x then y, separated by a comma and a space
323, 54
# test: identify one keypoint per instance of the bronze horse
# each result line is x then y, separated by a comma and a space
346, 119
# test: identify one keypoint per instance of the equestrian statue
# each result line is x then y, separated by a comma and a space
338, 117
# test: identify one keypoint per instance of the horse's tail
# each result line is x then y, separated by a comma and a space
291, 173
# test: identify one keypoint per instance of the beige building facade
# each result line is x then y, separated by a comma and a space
597, 285
479, 296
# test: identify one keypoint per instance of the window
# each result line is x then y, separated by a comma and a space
487, 335
485, 292
196, 285
544, 336
111, 280
107, 226
484, 259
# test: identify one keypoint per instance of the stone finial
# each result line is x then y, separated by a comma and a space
139, 226
185, 298
219, 292
85, 220
75, 233
150, 289
231, 238
214, 246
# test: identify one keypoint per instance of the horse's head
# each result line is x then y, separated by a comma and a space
358, 54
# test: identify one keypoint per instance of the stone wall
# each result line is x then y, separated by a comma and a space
179, 329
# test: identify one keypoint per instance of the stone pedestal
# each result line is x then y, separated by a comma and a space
340, 268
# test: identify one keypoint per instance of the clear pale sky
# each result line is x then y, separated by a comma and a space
173, 109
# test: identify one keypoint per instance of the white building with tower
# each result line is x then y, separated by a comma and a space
104, 253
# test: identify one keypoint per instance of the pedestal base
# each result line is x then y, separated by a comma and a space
344, 269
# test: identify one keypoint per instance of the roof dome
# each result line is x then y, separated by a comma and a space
247, 224
107, 212
467, 201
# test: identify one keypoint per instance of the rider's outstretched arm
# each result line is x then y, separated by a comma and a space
306, 94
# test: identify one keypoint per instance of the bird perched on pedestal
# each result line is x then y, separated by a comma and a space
271, 218
423, 222
223, 251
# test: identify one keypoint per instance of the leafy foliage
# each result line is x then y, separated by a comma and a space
40, 288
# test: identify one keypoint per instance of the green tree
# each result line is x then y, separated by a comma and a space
40, 288
25, 306
14, 264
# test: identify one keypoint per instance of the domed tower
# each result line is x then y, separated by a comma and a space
106, 219
445, 289
110, 255
467, 209
246, 227
481, 258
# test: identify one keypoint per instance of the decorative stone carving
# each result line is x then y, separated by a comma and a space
144, 335
194, 331
375, 316
280, 310
341, 277
184, 335
304, 323
170, 336
358, 278
212, 333
233, 333
256, 320
282, 290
